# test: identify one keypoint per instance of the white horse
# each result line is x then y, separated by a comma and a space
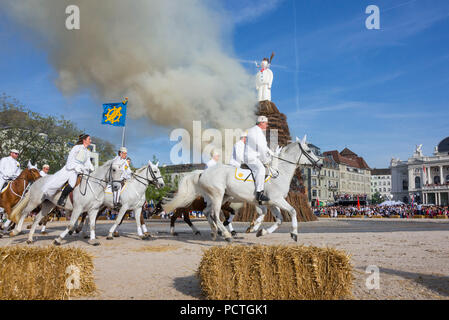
88, 196
133, 197
219, 181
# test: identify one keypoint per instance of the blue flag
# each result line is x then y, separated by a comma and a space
114, 114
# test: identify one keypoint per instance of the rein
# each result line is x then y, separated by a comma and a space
148, 181
303, 152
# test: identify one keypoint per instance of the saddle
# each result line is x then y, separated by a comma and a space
5, 187
244, 173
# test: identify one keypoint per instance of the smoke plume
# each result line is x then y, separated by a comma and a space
169, 57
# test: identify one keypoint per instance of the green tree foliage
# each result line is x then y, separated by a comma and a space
376, 198
41, 139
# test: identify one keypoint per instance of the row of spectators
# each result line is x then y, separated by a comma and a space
350, 197
404, 211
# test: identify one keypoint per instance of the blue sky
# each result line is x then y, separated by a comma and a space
377, 92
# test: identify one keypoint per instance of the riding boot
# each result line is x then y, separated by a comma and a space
261, 197
65, 193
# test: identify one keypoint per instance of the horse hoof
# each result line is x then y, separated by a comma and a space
294, 236
94, 242
228, 239
149, 235
109, 237
174, 234
144, 237
44, 233
116, 234
29, 227
225, 223
70, 232
78, 230
248, 230
30, 241
214, 236
57, 241
220, 233
197, 233
85, 236
233, 233
1, 236
261, 232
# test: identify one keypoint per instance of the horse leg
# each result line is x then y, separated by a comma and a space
45, 210
176, 215
75, 215
215, 213
189, 222
283, 204
138, 214
117, 222
92, 215
255, 225
144, 226
229, 216
278, 217
80, 225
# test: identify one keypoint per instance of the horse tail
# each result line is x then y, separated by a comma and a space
187, 192
18, 208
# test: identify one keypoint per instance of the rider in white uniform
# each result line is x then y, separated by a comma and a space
122, 160
45, 170
257, 154
78, 162
214, 160
9, 167
238, 151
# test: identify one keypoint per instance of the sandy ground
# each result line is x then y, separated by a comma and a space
412, 256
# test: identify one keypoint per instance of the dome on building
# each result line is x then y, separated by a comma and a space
443, 146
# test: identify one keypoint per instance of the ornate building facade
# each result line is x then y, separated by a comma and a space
422, 178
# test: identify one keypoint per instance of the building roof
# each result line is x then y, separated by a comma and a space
443, 146
381, 172
347, 157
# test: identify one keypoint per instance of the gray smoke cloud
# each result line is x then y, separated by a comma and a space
169, 57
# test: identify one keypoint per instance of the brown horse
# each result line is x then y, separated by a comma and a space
197, 205
15, 190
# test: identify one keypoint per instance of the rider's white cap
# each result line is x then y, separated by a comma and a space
14, 151
45, 166
262, 119
123, 149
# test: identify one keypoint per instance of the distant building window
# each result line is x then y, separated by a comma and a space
417, 182
436, 180
447, 178
404, 185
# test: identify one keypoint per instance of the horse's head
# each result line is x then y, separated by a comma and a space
155, 174
114, 174
300, 153
31, 173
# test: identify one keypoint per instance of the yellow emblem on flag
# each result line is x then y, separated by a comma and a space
113, 115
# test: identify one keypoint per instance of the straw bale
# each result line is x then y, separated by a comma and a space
45, 273
260, 272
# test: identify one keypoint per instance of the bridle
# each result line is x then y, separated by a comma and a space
146, 181
308, 156
100, 181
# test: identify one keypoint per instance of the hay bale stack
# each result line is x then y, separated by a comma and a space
275, 273
46, 273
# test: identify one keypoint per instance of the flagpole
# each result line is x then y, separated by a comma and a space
123, 136
124, 127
